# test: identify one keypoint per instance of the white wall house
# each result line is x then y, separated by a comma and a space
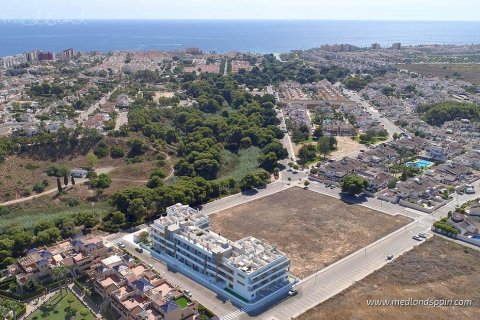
248, 267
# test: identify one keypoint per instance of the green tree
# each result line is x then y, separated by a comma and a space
268, 161
136, 210
354, 184
116, 152
103, 181
92, 160
318, 132
59, 185
307, 153
58, 170
324, 146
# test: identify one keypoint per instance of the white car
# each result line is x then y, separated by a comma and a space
292, 292
188, 293
415, 237
422, 235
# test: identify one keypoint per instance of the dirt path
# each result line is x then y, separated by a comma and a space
50, 191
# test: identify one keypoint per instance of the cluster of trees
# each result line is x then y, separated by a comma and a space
274, 71
46, 88
15, 241
46, 145
325, 145
101, 181
300, 133
135, 205
357, 82
371, 136
437, 114
225, 117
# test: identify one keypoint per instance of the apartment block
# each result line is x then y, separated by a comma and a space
248, 268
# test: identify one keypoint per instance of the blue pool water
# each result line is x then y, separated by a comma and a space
476, 237
420, 164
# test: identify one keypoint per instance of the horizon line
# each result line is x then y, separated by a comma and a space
14, 19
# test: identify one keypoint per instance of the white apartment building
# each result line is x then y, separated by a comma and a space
11, 61
248, 267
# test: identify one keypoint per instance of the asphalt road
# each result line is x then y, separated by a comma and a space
388, 125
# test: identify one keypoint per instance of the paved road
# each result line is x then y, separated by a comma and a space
84, 115
286, 141
121, 120
388, 125
458, 200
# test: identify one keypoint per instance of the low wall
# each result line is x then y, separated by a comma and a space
408, 204
457, 237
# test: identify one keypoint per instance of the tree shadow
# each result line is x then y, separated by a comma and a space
349, 199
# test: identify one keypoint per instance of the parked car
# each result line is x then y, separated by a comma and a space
422, 235
390, 257
416, 237
120, 244
188, 293
470, 191
138, 249
292, 292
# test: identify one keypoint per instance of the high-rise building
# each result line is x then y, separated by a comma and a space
32, 56
46, 56
248, 267
397, 46
376, 46
11, 61
67, 54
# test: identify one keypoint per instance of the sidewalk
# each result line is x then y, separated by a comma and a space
85, 300
32, 306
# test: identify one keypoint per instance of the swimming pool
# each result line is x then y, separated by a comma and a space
476, 237
420, 164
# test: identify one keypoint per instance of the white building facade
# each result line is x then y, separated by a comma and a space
248, 268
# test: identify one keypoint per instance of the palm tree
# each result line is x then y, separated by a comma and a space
60, 273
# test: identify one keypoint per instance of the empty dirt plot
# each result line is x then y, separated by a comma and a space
345, 147
312, 229
438, 269
467, 72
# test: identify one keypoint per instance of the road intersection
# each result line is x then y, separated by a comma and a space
328, 281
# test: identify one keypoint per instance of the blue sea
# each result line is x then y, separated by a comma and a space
262, 36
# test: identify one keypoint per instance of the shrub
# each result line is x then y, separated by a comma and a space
40, 187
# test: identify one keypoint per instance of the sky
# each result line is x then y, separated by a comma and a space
457, 10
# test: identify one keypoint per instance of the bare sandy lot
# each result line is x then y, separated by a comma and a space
345, 146
312, 229
159, 95
467, 72
437, 269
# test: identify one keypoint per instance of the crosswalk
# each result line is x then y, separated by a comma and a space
324, 291
234, 315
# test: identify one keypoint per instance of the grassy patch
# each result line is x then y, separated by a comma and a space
238, 165
24, 216
182, 302
62, 306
